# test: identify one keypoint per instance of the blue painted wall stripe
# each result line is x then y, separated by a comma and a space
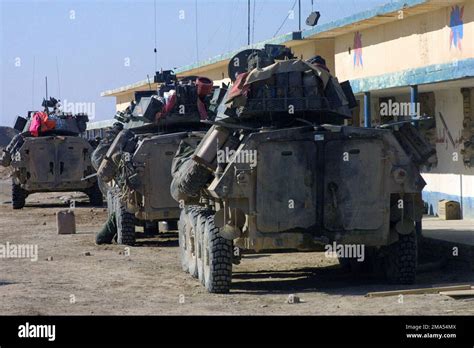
428, 74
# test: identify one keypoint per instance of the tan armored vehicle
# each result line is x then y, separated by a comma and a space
137, 164
139, 195
56, 160
279, 171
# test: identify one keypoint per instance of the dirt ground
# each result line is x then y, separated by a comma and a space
67, 281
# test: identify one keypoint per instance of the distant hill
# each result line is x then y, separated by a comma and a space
6, 134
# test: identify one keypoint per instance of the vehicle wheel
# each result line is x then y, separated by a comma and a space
198, 241
400, 260
96, 198
18, 196
217, 259
183, 253
125, 225
190, 232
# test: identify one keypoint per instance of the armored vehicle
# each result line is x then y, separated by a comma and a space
279, 170
136, 166
49, 155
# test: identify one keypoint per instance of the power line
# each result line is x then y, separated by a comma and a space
284, 21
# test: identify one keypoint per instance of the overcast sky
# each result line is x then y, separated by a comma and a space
86, 47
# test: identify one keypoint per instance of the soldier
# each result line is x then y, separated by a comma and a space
104, 145
108, 232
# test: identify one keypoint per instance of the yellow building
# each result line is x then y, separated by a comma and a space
414, 53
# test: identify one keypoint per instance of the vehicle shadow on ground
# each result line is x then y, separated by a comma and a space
333, 280
60, 205
256, 256
165, 239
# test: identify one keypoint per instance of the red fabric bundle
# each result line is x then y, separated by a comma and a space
204, 86
239, 87
41, 123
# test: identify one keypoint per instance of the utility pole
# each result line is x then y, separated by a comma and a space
248, 22
299, 15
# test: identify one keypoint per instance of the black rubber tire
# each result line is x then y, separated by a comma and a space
183, 255
191, 225
401, 260
195, 177
18, 196
199, 242
96, 197
125, 225
217, 261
